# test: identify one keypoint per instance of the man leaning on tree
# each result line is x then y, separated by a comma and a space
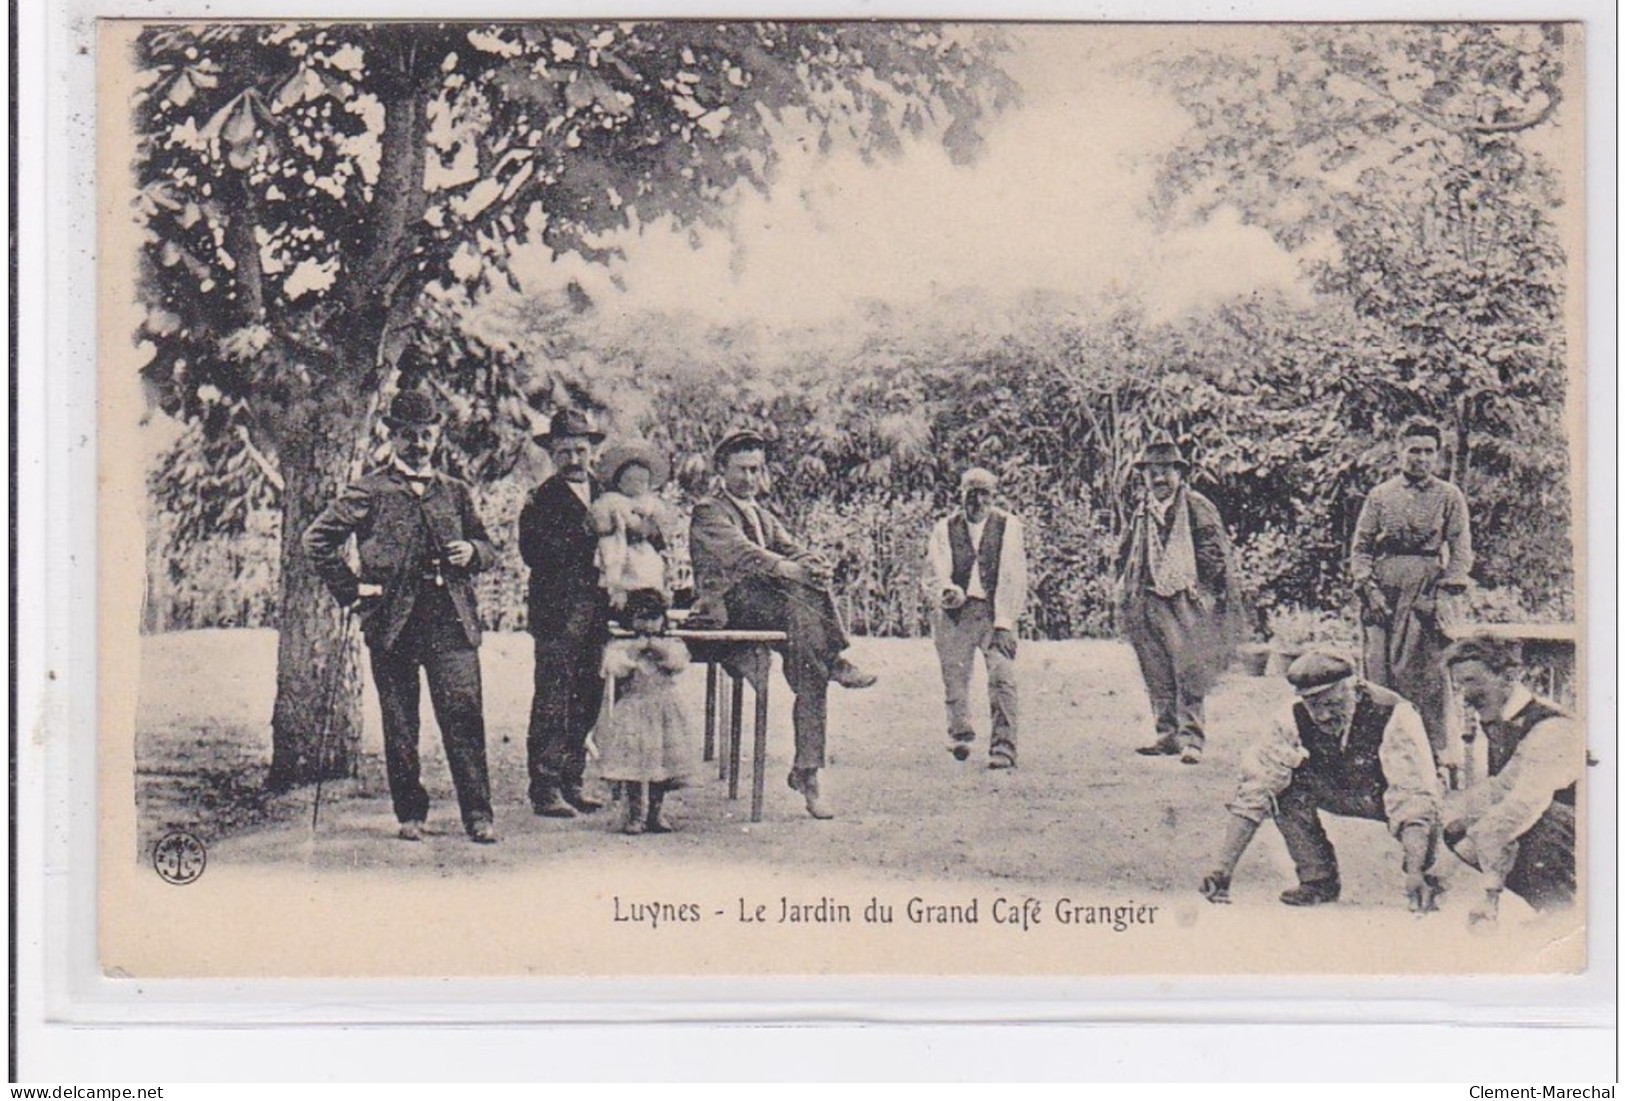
979, 585
420, 543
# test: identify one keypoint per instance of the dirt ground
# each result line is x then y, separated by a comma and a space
1082, 808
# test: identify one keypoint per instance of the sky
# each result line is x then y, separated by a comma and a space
1056, 202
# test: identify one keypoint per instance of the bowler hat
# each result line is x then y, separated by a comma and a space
412, 407
1162, 452
1317, 671
740, 439
566, 423
617, 458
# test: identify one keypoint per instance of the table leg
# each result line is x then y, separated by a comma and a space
722, 726
710, 711
736, 713
758, 758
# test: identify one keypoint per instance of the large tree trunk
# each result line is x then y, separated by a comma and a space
316, 723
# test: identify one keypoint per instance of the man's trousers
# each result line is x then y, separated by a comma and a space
569, 689
805, 613
1167, 635
959, 634
433, 641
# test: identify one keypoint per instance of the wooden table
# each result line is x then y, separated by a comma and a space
724, 713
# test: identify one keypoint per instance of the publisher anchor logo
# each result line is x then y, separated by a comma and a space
179, 858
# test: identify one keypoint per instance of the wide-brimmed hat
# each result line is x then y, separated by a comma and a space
621, 455
1162, 452
566, 423
412, 407
740, 439
1316, 671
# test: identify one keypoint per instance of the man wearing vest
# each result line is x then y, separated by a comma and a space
1517, 826
1178, 599
1346, 747
419, 542
979, 581
750, 573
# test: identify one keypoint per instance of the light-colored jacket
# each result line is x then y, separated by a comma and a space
1009, 591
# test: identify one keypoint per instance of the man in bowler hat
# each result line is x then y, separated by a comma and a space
1178, 599
569, 616
751, 573
420, 542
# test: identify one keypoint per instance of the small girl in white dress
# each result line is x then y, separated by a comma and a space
646, 741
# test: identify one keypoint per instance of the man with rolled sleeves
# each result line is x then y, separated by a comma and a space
1345, 747
1517, 825
1411, 554
420, 542
751, 573
569, 617
979, 583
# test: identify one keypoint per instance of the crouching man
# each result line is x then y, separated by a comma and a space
1517, 826
1346, 747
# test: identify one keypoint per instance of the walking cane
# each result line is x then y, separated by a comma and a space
334, 675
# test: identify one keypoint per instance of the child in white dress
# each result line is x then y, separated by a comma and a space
631, 522
646, 741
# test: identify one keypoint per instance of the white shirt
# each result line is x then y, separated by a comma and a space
1503, 807
417, 479
974, 589
754, 517
1010, 598
582, 490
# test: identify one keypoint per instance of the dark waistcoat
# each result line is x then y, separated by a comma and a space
1357, 768
987, 555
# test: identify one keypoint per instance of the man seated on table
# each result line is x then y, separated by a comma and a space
1347, 747
750, 573
1516, 826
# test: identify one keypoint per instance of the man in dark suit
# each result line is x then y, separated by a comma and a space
751, 573
420, 542
569, 617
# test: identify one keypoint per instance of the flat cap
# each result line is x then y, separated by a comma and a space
1317, 671
978, 478
740, 439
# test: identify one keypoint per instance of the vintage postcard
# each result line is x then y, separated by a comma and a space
817, 498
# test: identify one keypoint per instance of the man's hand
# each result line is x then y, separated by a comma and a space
459, 553
1004, 642
953, 597
1377, 609
1416, 837
798, 573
